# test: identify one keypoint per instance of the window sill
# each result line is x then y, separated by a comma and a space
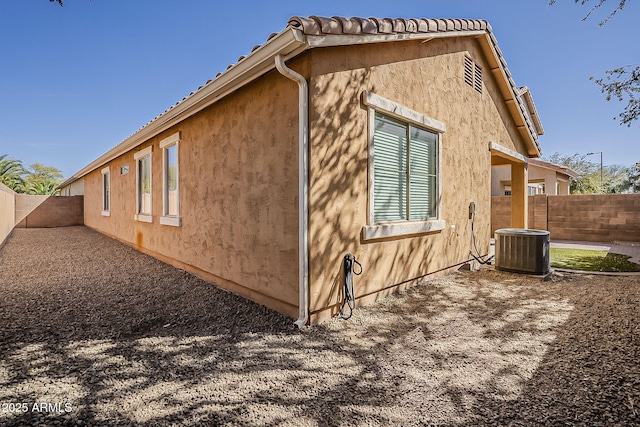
143, 218
106, 213
399, 229
174, 221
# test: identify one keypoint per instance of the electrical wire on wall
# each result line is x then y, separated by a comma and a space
474, 245
349, 296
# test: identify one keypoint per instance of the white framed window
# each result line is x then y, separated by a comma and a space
144, 183
170, 181
404, 170
106, 192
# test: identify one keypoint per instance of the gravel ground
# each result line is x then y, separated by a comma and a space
93, 332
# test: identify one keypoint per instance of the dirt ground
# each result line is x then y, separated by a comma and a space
93, 332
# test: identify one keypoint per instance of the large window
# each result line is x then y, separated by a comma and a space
404, 170
143, 185
404, 166
106, 192
170, 181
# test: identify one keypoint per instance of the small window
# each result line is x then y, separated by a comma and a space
106, 192
143, 185
170, 181
472, 74
404, 170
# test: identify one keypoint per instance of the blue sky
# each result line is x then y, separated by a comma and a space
76, 81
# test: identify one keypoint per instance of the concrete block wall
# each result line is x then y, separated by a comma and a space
596, 218
500, 213
61, 211
27, 203
538, 212
593, 218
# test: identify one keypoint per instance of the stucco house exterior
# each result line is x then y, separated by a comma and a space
338, 135
544, 178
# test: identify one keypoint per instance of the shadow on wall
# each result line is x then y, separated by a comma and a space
49, 211
339, 171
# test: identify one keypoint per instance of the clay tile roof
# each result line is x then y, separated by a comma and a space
322, 26
337, 25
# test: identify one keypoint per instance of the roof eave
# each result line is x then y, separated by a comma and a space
507, 86
288, 43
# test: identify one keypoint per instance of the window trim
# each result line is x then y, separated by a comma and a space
144, 217
106, 172
165, 144
373, 230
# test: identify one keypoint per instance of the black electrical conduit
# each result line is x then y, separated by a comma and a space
349, 296
473, 239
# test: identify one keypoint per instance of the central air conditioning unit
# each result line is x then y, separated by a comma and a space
522, 251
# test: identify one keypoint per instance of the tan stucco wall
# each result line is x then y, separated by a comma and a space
425, 77
238, 195
7, 212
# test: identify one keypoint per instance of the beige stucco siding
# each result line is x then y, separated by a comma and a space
427, 78
238, 195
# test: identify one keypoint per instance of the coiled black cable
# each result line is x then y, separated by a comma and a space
349, 296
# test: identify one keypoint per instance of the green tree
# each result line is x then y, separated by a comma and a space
614, 178
622, 83
633, 179
43, 188
12, 173
41, 179
597, 4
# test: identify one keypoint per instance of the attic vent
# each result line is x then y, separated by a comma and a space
472, 74
468, 71
478, 83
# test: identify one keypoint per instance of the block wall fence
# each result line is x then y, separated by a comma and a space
591, 218
54, 211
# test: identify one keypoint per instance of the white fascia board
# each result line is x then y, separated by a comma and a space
502, 71
342, 39
288, 43
508, 153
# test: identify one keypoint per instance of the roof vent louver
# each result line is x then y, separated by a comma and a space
472, 74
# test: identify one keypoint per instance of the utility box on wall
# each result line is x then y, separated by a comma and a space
522, 251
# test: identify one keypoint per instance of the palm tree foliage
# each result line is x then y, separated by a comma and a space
37, 179
44, 188
12, 173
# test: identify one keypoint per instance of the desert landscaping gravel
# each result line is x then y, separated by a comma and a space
92, 332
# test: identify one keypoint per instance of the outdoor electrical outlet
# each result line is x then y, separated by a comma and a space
473, 209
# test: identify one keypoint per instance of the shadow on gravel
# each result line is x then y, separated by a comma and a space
165, 348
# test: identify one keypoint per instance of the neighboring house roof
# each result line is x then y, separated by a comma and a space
525, 94
302, 34
558, 168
